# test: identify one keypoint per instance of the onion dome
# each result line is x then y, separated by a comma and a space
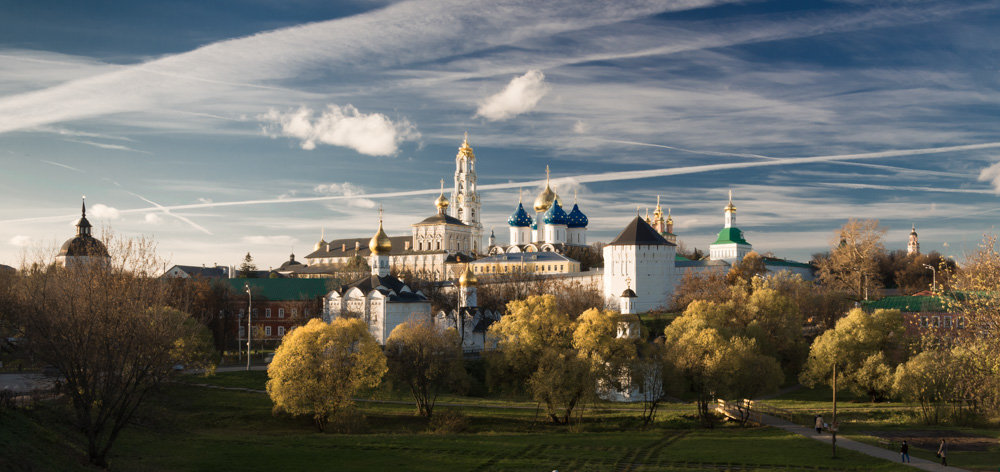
913, 230
83, 244
519, 218
628, 293
380, 243
321, 244
555, 215
441, 202
291, 262
545, 199
670, 218
468, 279
576, 218
730, 208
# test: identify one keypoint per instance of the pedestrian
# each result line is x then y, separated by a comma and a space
819, 424
904, 452
943, 452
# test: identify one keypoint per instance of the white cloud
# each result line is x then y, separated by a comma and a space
521, 95
991, 174
278, 240
373, 134
20, 241
580, 127
105, 212
347, 189
153, 218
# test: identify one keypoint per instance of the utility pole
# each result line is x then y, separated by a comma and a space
249, 317
833, 424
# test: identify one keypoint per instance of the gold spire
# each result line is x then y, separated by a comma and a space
658, 212
670, 219
322, 239
380, 243
468, 278
545, 199
465, 148
441, 202
730, 208
647, 216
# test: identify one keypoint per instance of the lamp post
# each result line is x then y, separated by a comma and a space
249, 317
933, 277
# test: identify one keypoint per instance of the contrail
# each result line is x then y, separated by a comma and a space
585, 178
166, 211
905, 188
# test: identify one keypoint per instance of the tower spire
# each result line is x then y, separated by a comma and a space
83, 211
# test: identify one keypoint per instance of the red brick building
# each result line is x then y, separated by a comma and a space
276, 307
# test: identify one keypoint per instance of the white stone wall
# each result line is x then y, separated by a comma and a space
576, 236
650, 268
729, 252
520, 235
555, 234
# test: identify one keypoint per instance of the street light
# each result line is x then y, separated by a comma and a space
249, 315
933, 277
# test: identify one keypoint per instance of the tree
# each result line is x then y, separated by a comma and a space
818, 305
535, 341
104, 326
750, 374
561, 381
697, 352
247, 268
852, 264
927, 378
426, 358
743, 273
701, 286
596, 340
850, 345
652, 378
320, 367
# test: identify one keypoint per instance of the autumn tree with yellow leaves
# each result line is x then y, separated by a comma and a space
320, 367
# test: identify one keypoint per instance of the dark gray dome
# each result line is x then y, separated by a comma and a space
83, 245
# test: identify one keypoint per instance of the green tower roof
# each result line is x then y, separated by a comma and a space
730, 235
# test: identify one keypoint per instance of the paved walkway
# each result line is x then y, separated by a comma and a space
853, 445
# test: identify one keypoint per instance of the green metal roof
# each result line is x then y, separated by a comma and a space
729, 236
908, 304
283, 289
680, 258
774, 261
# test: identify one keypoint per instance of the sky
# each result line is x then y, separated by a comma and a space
226, 127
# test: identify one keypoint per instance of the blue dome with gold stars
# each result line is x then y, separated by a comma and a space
520, 217
576, 218
555, 215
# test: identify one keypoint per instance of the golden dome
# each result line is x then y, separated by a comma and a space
441, 201
730, 208
380, 243
465, 149
322, 241
670, 219
468, 279
545, 199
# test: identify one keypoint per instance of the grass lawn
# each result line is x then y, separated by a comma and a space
202, 429
887, 424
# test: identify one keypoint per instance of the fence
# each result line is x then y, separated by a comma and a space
750, 411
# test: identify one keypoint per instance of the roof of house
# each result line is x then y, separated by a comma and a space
282, 289
731, 235
440, 218
7, 268
346, 248
639, 233
702, 263
776, 262
908, 304
202, 271
395, 289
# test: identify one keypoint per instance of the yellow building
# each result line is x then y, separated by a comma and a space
542, 263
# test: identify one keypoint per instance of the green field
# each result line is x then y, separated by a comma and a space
196, 428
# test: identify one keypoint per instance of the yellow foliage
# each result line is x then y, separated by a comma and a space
319, 367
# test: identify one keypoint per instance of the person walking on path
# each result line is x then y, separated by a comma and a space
943, 452
819, 424
904, 452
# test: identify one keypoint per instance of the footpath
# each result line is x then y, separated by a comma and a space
853, 445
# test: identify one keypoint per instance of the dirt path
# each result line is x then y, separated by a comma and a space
853, 445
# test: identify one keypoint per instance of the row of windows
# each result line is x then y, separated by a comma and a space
941, 322
267, 331
267, 312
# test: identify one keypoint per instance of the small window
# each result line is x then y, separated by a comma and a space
947, 322
281, 330
294, 312
267, 330
924, 322
281, 312
267, 312
961, 322
935, 322
255, 313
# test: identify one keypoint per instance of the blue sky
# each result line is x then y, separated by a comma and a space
225, 127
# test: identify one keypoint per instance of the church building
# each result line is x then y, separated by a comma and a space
550, 230
84, 247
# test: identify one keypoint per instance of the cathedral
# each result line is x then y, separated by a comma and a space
84, 247
550, 230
